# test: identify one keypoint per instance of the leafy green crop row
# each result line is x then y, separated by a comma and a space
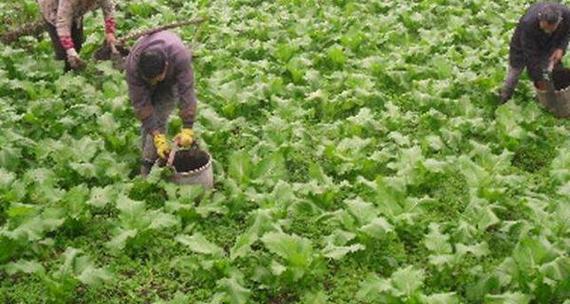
359, 158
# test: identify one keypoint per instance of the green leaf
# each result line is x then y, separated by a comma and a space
556, 271
319, 297
240, 167
508, 298
133, 213
86, 148
441, 298
107, 123
234, 290
530, 252
475, 175
242, 246
271, 168
295, 250
75, 200
16, 192
276, 268
119, 241
285, 51
437, 242
364, 212
34, 228
407, 280
87, 170
377, 228
478, 250
338, 252
161, 220
188, 194
508, 118
336, 54
10, 158
442, 260
389, 198
373, 287
100, 197
178, 298
6, 179
71, 257
434, 165
93, 276
487, 218
199, 244
24, 266
564, 190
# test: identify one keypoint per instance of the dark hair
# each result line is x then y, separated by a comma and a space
151, 63
550, 14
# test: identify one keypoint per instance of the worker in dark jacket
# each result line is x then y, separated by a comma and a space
159, 70
539, 43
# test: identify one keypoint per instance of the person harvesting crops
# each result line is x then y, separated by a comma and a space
538, 43
159, 70
64, 21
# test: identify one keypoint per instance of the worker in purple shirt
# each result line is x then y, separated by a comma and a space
538, 43
159, 71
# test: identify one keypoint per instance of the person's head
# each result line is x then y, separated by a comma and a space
549, 18
152, 66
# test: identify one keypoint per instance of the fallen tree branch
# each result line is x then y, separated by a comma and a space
33, 28
151, 31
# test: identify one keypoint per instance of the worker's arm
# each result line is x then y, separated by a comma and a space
108, 7
185, 85
140, 97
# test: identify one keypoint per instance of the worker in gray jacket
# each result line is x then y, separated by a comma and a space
64, 21
159, 71
538, 43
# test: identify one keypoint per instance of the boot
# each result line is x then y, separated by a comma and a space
146, 166
504, 96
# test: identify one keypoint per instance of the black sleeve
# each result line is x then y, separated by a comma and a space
535, 59
565, 35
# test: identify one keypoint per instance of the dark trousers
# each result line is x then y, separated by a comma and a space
76, 35
511, 81
513, 76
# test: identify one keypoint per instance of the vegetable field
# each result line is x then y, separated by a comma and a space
360, 157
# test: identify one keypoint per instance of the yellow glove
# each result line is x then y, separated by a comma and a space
185, 138
161, 145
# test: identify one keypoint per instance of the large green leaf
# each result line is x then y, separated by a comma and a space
297, 251
235, 292
407, 281
199, 244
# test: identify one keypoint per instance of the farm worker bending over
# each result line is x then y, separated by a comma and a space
64, 20
159, 69
539, 43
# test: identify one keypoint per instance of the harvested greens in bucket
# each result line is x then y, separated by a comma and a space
561, 78
189, 160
